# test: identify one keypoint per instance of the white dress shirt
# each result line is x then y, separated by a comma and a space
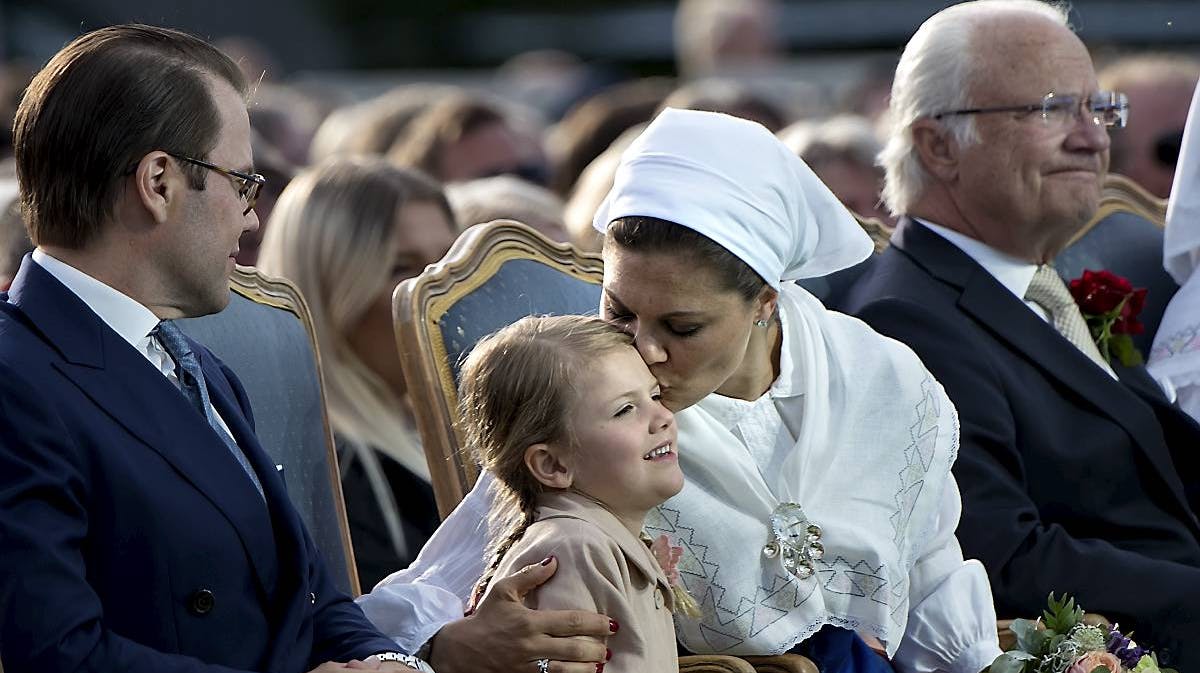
1012, 273
131, 320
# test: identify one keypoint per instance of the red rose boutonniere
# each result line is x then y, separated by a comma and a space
1111, 306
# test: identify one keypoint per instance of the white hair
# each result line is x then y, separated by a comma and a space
934, 75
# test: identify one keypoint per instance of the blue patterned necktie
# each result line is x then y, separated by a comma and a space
191, 383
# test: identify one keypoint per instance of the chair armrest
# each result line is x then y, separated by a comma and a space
783, 663
713, 663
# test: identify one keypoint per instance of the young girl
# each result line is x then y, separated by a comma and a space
565, 414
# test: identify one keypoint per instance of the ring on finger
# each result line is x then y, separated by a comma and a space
543, 665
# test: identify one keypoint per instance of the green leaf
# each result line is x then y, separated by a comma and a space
1062, 615
1122, 347
1029, 638
1011, 662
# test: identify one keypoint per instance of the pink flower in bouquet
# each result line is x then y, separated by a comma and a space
667, 556
1093, 660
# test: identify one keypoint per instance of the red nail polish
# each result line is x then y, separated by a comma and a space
607, 655
546, 561
599, 668
613, 626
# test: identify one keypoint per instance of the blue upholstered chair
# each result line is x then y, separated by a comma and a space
265, 335
494, 275
1125, 237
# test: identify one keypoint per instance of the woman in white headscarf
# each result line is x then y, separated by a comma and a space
819, 509
1175, 356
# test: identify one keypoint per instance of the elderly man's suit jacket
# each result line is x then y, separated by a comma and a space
130, 537
1071, 480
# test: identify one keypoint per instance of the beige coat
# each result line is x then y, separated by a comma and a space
604, 568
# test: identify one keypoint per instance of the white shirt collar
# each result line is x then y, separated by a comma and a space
119, 311
1013, 273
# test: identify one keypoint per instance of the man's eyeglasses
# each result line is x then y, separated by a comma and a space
250, 183
1105, 108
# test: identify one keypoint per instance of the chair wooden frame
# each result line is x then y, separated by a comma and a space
259, 288
1120, 194
419, 303
880, 233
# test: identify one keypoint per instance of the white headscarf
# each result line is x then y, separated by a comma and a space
1175, 356
1181, 244
734, 182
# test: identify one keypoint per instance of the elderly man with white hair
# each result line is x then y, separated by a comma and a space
1077, 473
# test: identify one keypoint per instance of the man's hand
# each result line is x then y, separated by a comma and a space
504, 636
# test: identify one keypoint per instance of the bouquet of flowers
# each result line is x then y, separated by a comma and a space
1060, 642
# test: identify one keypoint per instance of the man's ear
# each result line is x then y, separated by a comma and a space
937, 148
156, 184
545, 463
766, 303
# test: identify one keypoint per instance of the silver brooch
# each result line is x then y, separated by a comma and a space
794, 538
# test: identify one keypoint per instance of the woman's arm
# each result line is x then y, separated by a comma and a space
413, 604
951, 619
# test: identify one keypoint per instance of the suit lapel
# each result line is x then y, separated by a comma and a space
126, 387
1000, 312
285, 522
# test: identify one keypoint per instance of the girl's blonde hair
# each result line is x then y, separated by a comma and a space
518, 388
331, 234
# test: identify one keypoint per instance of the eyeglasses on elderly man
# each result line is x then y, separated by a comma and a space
1107, 108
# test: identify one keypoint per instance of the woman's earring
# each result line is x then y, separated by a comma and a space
760, 323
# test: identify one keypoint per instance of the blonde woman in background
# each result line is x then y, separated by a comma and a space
346, 232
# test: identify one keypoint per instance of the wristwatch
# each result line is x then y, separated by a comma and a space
406, 659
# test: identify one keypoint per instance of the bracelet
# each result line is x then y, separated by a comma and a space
406, 659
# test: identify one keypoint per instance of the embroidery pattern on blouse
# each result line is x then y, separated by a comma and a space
730, 620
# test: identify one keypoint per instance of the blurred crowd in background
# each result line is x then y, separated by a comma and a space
371, 175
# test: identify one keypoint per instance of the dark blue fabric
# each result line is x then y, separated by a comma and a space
191, 384
132, 540
837, 650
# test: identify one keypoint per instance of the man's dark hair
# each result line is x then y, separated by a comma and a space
101, 104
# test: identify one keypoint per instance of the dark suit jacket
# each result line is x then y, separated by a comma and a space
1071, 481
130, 537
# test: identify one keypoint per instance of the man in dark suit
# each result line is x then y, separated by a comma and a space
142, 527
1077, 475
